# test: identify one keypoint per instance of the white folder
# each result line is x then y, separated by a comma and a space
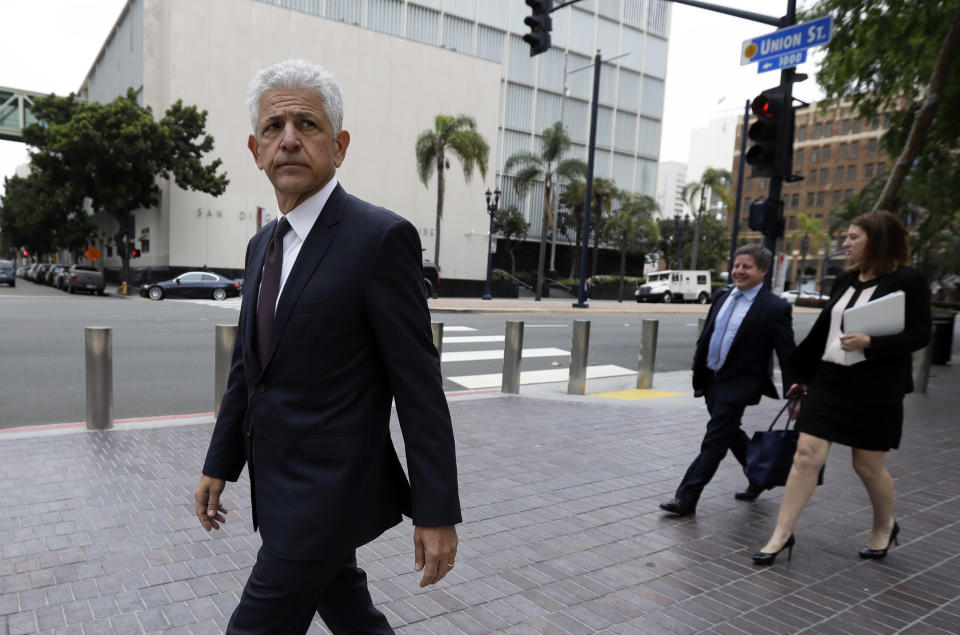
883, 316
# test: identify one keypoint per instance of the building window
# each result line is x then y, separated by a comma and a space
839, 178
795, 200
868, 171
842, 151
763, 184
854, 149
799, 159
875, 123
823, 175
812, 178
815, 155
846, 194
886, 120
793, 222
825, 153
747, 187
851, 172
818, 131
872, 146
881, 168
857, 125
802, 133
809, 199
845, 127
145, 244
837, 195
821, 198
828, 129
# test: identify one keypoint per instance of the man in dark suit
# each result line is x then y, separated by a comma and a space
333, 327
732, 367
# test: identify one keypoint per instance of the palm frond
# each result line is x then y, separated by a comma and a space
523, 178
524, 158
426, 152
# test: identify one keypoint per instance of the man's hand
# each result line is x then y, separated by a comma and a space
209, 510
796, 392
854, 341
436, 551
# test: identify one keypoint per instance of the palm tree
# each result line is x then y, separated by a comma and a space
547, 166
633, 230
713, 180
572, 198
604, 193
810, 233
458, 135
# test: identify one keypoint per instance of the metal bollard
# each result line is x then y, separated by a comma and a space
648, 353
512, 353
224, 338
98, 344
579, 348
921, 373
437, 328
700, 324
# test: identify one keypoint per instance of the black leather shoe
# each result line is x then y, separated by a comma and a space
749, 494
767, 559
877, 554
677, 507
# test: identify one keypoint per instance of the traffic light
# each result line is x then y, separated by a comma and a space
765, 217
134, 253
540, 26
772, 134
26, 254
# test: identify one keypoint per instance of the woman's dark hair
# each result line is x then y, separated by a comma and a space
887, 246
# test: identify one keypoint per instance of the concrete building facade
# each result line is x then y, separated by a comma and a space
400, 63
671, 179
837, 154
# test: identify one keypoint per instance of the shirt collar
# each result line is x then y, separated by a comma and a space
303, 216
750, 293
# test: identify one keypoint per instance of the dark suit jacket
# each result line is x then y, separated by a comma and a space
351, 333
886, 373
746, 372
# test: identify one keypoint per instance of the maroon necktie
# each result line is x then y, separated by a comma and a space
270, 289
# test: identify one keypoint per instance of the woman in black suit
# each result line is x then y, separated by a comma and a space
856, 404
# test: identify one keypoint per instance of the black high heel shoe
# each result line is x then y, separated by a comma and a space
766, 559
877, 554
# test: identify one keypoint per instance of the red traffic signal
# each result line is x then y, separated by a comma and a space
772, 134
26, 253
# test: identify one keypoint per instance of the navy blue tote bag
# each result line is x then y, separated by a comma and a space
770, 454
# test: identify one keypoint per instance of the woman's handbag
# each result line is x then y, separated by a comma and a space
770, 453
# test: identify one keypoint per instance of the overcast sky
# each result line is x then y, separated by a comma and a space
49, 45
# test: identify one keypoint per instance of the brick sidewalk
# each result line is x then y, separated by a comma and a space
562, 532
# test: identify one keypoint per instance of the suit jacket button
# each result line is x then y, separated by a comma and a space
260, 388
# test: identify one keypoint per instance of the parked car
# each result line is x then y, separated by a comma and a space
50, 278
675, 286
792, 295
193, 284
7, 273
84, 278
431, 278
39, 271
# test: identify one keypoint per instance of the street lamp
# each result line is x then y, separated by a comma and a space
680, 228
492, 210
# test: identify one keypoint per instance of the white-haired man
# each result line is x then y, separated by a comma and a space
333, 327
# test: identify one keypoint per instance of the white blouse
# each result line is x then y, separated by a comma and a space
833, 352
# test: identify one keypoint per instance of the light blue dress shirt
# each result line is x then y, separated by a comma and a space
740, 307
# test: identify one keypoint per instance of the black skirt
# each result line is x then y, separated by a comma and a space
834, 412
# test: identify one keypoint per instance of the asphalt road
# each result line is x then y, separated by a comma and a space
163, 360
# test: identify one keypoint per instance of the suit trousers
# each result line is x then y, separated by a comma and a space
282, 596
723, 433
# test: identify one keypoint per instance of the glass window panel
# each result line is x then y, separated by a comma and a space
535, 209
345, 10
604, 125
548, 110
625, 132
646, 177
629, 89
608, 84
580, 84
610, 8
514, 142
854, 148
608, 35
423, 25
519, 105
651, 100
458, 34
307, 6
433, 4
581, 31
463, 8
494, 13
623, 171
509, 197
521, 64
823, 175
633, 13
655, 57
386, 16
648, 142
558, 36
550, 70
657, 17
825, 153
632, 43
839, 175
575, 118
490, 43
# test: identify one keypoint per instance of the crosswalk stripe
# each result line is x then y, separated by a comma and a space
457, 329
470, 356
473, 339
493, 380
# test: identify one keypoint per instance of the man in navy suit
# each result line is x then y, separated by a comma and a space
333, 327
732, 367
